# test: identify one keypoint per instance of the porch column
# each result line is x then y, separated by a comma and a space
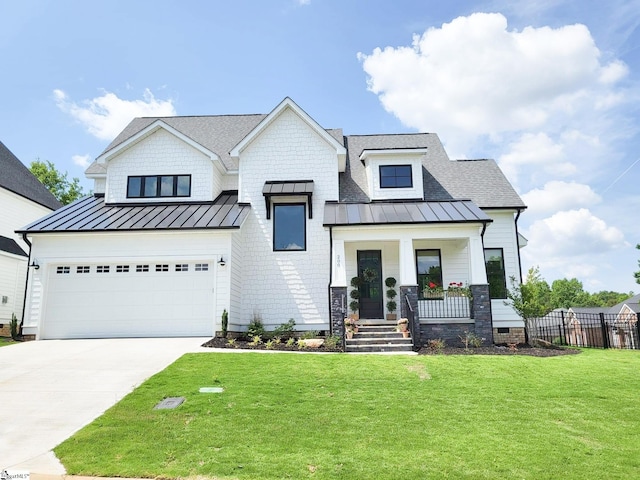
481, 313
338, 299
477, 266
409, 288
408, 275
339, 270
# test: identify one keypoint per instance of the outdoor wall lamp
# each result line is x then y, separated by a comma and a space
221, 262
34, 265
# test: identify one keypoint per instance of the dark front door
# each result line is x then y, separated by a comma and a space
370, 271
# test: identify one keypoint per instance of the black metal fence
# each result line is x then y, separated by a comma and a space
596, 330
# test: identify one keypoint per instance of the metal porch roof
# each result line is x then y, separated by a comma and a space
92, 214
381, 213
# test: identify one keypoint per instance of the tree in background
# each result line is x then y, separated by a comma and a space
569, 293
57, 183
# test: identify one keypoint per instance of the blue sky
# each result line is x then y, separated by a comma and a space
549, 89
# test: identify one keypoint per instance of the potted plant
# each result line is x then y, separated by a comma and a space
432, 290
354, 305
351, 327
457, 289
403, 327
390, 282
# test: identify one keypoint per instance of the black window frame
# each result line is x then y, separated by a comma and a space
158, 193
496, 291
421, 276
395, 175
304, 228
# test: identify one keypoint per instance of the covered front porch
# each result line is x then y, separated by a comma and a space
438, 271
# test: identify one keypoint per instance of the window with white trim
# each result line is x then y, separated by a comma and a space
63, 270
162, 268
396, 176
122, 268
142, 268
102, 269
83, 269
182, 267
494, 261
202, 267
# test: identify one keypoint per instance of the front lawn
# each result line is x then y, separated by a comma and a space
366, 416
4, 341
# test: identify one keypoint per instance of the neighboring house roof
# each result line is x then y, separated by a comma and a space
481, 181
91, 214
217, 133
633, 303
378, 213
17, 178
11, 246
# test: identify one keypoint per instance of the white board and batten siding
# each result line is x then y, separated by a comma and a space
501, 233
129, 285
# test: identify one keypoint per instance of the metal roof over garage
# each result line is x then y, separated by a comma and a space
92, 214
381, 213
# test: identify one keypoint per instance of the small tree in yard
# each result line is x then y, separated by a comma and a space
531, 300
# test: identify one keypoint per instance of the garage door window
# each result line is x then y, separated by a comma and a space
102, 269
142, 268
83, 269
182, 267
162, 268
62, 270
202, 267
122, 269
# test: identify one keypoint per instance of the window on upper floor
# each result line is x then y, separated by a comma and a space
494, 261
396, 176
289, 227
158, 186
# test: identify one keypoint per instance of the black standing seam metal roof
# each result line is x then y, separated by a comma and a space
381, 213
92, 214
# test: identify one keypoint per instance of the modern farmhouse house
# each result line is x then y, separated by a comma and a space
270, 217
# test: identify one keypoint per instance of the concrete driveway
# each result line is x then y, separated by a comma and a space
50, 389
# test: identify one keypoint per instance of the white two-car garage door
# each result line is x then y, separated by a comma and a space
129, 299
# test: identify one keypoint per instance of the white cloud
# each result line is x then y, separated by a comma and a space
570, 233
473, 77
105, 116
82, 160
558, 196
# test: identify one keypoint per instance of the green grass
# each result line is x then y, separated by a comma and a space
4, 341
345, 416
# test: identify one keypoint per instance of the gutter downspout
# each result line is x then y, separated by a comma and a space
26, 283
518, 243
330, 277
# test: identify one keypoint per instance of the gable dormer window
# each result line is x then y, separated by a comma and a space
158, 186
396, 176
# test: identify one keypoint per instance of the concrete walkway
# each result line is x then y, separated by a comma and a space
50, 389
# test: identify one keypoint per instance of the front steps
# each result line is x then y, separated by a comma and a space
378, 336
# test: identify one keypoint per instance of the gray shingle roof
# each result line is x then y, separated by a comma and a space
9, 245
479, 180
217, 133
92, 214
444, 180
17, 178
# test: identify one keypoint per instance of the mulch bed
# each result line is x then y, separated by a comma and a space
218, 342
